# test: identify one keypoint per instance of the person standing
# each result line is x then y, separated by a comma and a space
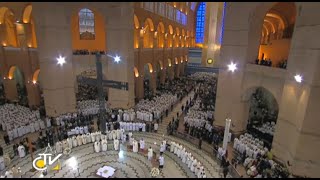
150, 153
161, 161
226, 169
200, 142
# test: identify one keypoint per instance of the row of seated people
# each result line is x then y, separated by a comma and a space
87, 52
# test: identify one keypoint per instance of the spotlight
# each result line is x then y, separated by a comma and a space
117, 59
34, 82
232, 67
61, 60
298, 78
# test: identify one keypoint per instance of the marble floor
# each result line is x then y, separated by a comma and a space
84, 162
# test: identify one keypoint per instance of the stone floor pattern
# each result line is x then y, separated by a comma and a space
84, 162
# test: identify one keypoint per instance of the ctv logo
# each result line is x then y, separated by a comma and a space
40, 163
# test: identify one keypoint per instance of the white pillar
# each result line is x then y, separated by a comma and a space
226, 134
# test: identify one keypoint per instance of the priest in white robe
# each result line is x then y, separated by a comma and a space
135, 146
58, 147
193, 165
93, 137
79, 140
74, 141
84, 139
114, 134
98, 136
172, 146
184, 155
142, 145
116, 144
69, 140
110, 135
97, 146
64, 144
150, 153
104, 144
22, 151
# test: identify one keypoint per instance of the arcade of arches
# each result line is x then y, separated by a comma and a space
270, 43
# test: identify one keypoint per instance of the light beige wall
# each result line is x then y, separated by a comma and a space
58, 81
296, 138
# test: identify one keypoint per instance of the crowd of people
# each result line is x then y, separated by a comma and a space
149, 110
257, 158
86, 52
264, 62
262, 116
193, 164
18, 120
86, 92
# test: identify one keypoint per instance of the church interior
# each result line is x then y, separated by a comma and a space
159, 89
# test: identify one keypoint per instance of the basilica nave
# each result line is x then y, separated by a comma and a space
159, 89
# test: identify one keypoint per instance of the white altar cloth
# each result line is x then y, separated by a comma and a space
105, 171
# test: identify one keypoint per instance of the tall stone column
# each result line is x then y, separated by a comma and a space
54, 40
226, 134
10, 89
33, 94
119, 39
139, 87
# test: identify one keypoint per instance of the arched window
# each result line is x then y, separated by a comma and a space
201, 16
86, 24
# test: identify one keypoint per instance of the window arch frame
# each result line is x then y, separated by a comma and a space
83, 19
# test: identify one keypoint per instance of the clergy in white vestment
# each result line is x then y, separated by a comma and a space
184, 155
88, 138
84, 138
123, 138
162, 147
142, 145
176, 148
74, 141
32, 130
48, 122
93, 137
58, 147
172, 146
179, 151
81, 130
64, 144
188, 158
85, 129
104, 144
114, 134
22, 151
2, 165
69, 140
143, 127
135, 146
110, 135
42, 126
200, 172
197, 168
118, 131
79, 140
116, 144
193, 165
190, 162
130, 138
36, 125
150, 153
156, 127
98, 136
97, 146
